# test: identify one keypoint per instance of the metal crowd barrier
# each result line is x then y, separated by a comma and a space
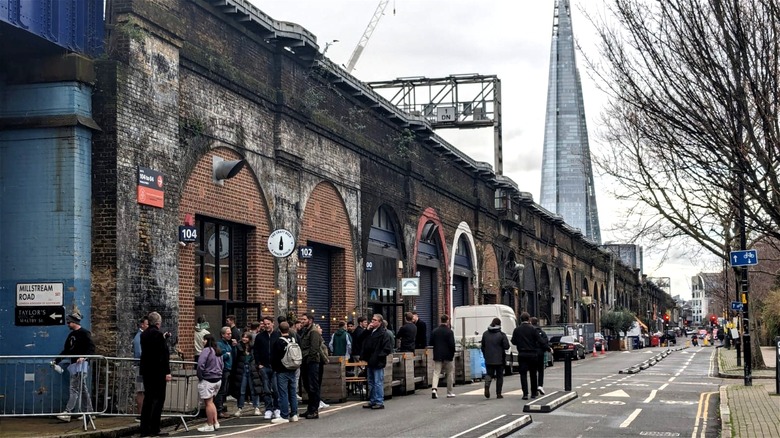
33, 386
123, 383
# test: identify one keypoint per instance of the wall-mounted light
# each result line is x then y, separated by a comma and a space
278, 291
222, 169
208, 280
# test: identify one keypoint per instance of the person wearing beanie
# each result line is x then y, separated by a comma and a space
77, 344
494, 346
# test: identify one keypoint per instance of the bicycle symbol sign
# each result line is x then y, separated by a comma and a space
743, 258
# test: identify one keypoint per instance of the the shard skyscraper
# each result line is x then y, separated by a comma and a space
567, 176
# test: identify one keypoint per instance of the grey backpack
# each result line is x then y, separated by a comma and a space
293, 357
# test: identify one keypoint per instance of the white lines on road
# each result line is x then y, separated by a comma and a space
478, 426
701, 414
663, 386
585, 395
652, 396
630, 418
671, 379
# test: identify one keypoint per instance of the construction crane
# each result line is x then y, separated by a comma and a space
380, 10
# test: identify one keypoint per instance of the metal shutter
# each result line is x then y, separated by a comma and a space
460, 289
319, 288
426, 302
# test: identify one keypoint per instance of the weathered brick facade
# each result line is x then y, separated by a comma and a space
185, 81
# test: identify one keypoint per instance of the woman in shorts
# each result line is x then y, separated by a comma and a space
209, 380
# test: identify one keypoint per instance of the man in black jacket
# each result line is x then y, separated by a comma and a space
407, 335
155, 369
443, 341
494, 345
78, 343
540, 354
528, 343
262, 351
376, 347
422, 332
357, 338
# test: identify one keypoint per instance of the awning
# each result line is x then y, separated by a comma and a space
641, 324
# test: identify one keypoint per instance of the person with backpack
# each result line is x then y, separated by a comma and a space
286, 358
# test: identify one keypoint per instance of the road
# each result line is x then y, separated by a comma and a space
676, 397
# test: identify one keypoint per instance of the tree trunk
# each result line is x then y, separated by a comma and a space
755, 347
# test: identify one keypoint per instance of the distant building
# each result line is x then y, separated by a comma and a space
567, 177
630, 255
703, 286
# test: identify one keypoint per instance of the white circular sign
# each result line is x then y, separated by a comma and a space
224, 244
281, 243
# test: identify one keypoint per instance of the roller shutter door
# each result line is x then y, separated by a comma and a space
426, 302
319, 288
460, 291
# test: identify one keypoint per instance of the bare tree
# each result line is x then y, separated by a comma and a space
693, 89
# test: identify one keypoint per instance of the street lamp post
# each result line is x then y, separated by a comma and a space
744, 285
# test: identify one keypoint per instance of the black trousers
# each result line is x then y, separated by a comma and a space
154, 399
495, 372
540, 369
310, 376
528, 364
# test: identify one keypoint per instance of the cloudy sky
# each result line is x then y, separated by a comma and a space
510, 39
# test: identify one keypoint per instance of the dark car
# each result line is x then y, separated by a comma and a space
670, 337
563, 345
599, 341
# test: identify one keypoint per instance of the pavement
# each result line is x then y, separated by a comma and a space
748, 411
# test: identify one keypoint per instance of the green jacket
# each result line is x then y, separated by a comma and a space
311, 345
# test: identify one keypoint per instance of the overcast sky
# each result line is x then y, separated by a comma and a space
510, 39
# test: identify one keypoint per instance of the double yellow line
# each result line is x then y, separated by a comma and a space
701, 414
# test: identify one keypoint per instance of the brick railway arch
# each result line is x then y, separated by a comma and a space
326, 282
462, 264
489, 279
429, 256
233, 223
545, 296
529, 298
557, 297
384, 250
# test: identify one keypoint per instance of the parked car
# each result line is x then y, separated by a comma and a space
562, 345
599, 340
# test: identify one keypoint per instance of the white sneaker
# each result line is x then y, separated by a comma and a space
216, 425
64, 417
230, 398
450, 395
268, 415
299, 398
277, 413
206, 428
237, 413
257, 412
294, 418
541, 390
279, 420
323, 405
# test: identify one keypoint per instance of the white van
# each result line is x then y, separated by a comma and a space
469, 322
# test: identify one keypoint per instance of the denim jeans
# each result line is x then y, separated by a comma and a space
271, 400
287, 390
376, 386
246, 381
79, 393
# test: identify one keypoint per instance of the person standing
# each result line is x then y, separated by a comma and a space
421, 339
357, 337
209, 373
286, 379
201, 330
494, 346
376, 347
443, 341
156, 372
235, 332
143, 324
311, 348
528, 343
407, 335
246, 377
341, 342
545, 347
78, 343
228, 353
264, 342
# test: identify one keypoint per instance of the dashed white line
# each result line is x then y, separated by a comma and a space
652, 396
630, 418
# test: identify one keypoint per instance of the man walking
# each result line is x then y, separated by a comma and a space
443, 341
421, 340
156, 372
494, 346
263, 351
528, 343
376, 347
311, 348
540, 363
407, 335
78, 343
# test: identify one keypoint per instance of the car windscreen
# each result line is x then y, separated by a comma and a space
569, 339
555, 339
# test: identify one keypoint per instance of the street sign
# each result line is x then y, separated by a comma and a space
410, 287
743, 258
40, 315
736, 306
39, 294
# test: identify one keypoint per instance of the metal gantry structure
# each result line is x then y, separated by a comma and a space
463, 101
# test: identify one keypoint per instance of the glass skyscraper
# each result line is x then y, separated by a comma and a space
567, 176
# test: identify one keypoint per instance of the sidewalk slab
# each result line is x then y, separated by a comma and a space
751, 411
727, 365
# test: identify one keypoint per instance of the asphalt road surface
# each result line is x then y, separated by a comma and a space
676, 397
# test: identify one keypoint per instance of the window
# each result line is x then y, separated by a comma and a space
221, 260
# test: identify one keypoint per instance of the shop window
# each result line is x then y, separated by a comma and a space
221, 260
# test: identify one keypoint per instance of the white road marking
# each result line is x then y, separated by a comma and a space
586, 394
618, 393
652, 396
663, 386
671, 379
630, 418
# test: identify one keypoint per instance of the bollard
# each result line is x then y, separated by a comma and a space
777, 366
567, 371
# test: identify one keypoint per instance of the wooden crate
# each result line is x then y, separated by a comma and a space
403, 372
423, 367
333, 386
388, 383
463, 366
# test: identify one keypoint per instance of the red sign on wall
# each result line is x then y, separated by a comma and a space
150, 187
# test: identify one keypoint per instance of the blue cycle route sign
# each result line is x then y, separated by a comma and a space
743, 258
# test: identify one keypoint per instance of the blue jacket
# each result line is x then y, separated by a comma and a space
227, 354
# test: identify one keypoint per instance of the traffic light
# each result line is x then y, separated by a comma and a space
666, 317
713, 320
